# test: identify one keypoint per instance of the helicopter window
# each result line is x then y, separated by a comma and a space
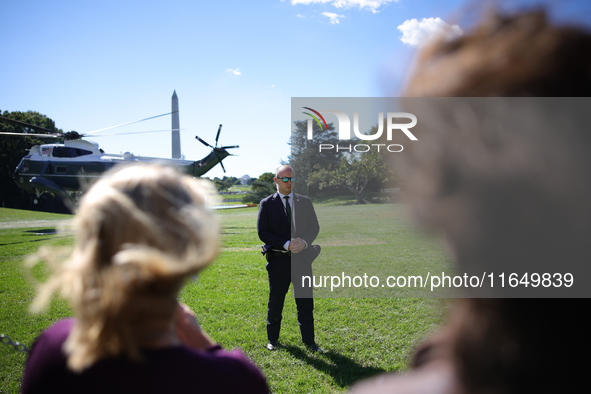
65, 151
60, 169
24, 166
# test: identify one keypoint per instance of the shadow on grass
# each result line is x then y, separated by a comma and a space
26, 242
45, 231
343, 370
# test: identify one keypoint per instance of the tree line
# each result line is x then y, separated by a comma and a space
330, 171
326, 172
14, 148
334, 171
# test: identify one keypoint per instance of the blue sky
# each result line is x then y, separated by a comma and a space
93, 64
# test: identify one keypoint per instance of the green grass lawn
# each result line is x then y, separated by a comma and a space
239, 188
363, 333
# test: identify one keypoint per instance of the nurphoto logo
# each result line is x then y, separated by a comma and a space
344, 127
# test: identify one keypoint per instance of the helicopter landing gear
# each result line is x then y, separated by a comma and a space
37, 198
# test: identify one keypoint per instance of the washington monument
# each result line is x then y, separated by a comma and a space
176, 137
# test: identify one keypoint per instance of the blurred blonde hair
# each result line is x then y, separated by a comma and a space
141, 231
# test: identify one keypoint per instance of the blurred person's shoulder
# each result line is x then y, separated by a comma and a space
435, 378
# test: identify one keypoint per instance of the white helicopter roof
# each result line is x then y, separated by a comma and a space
89, 150
80, 144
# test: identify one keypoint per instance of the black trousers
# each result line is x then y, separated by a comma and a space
281, 269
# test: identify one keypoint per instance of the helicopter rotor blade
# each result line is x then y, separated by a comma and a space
128, 123
204, 143
23, 124
217, 137
31, 134
230, 147
221, 164
136, 132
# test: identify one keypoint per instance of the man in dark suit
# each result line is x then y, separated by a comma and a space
287, 225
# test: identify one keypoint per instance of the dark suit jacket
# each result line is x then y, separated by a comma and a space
273, 226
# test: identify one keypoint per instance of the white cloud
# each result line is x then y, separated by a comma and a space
233, 72
300, 16
334, 18
372, 5
418, 33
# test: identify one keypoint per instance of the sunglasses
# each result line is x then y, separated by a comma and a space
286, 179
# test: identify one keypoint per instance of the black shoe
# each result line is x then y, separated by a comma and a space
271, 345
313, 347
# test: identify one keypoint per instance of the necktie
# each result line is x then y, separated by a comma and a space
288, 210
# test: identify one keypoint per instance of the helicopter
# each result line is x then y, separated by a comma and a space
66, 169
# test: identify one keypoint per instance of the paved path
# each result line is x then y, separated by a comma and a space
33, 223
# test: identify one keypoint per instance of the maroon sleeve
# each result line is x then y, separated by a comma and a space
46, 363
246, 378
173, 369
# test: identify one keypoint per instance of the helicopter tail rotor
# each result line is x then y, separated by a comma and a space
219, 152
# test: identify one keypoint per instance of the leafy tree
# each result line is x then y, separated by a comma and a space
353, 173
264, 186
260, 190
356, 172
13, 148
221, 185
305, 154
232, 180
267, 177
385, 176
